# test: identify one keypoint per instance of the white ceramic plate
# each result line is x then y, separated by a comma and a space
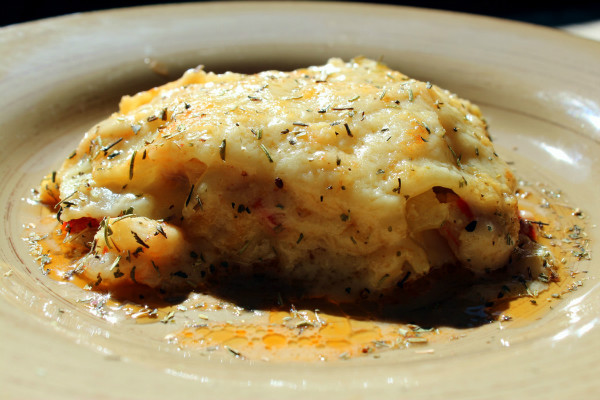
539, 88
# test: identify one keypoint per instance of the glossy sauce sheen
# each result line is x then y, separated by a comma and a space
337, 331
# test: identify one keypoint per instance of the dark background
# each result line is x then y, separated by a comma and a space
549, 12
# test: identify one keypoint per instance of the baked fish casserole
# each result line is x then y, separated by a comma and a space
347, 179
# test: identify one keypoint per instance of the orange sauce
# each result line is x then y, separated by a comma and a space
287, 333
303, 335
563, 235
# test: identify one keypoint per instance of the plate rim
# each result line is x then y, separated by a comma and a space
107, 13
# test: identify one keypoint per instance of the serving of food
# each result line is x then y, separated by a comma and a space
348, 178
304, 224
347, 182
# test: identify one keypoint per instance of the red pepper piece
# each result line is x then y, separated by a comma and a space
77, 225
528, 229
464, 208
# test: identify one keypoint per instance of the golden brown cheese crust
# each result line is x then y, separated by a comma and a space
347, 176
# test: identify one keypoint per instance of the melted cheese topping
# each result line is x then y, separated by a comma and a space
345, 179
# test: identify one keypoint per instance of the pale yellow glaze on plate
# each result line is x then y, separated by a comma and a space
539, 89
